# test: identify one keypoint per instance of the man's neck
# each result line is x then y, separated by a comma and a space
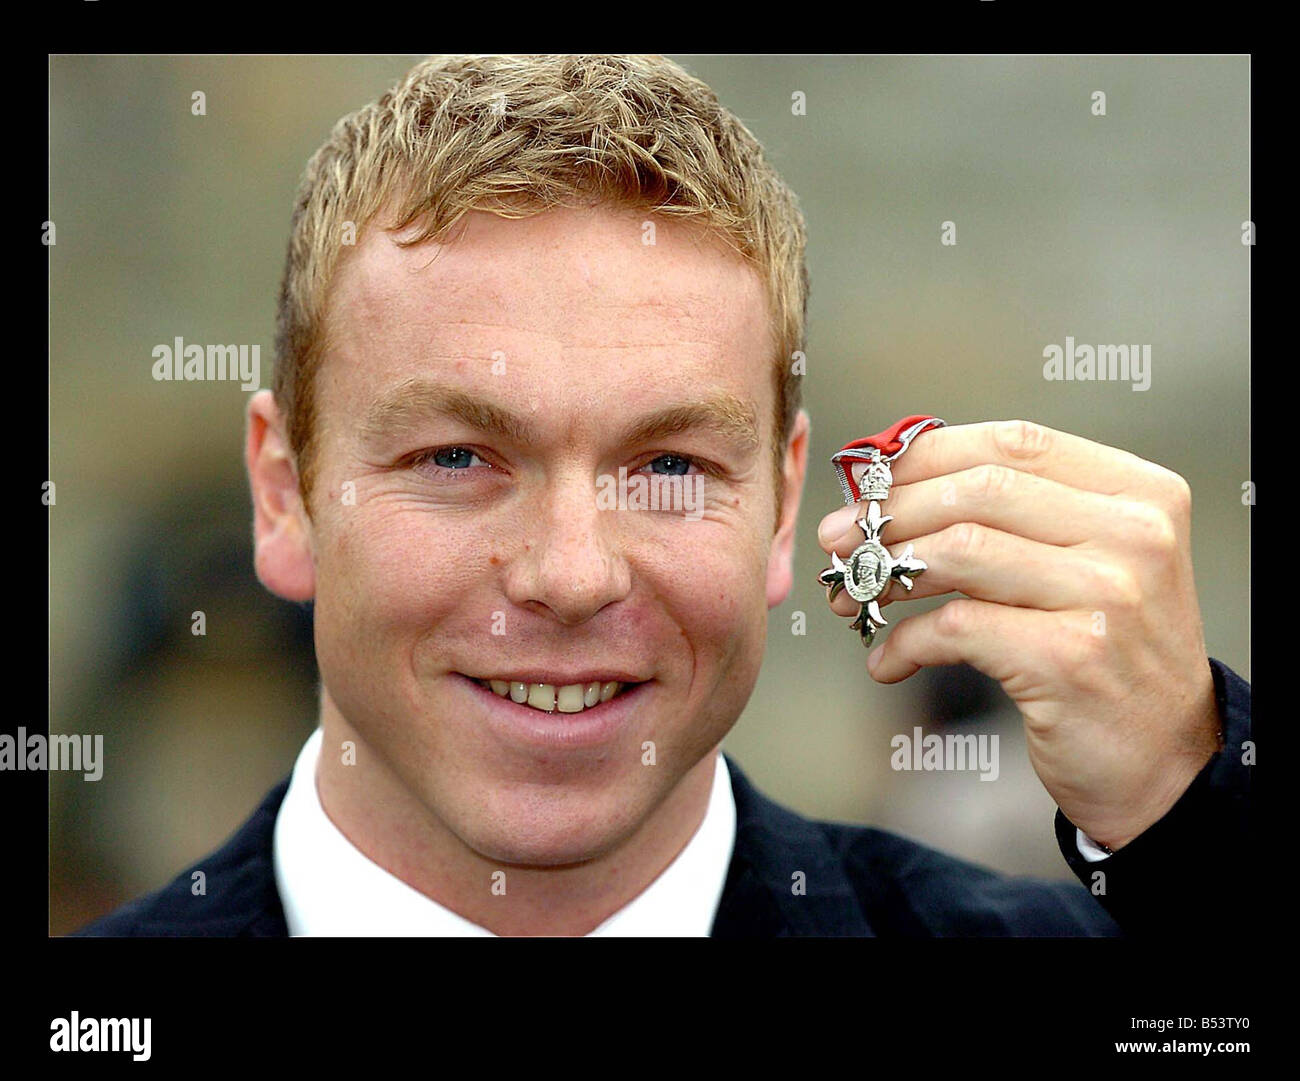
392, 828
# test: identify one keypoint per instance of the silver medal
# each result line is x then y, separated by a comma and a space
867, 573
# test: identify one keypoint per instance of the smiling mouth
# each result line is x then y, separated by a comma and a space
550, 697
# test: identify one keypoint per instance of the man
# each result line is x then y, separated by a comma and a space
512, 280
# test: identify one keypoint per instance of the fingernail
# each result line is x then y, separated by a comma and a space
835, 525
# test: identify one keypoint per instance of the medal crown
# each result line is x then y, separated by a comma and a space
876, 480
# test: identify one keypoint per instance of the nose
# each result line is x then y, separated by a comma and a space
570, 563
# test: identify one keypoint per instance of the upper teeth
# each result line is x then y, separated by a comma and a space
571, 698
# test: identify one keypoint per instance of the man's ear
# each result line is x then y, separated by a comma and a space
281, 529
780, 561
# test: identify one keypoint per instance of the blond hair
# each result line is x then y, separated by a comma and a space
517, 135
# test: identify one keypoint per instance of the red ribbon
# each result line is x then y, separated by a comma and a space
887, 442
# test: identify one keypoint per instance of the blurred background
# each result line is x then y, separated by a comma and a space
1110, 229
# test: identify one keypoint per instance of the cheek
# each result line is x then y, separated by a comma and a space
384, 576
718, 601
715, 589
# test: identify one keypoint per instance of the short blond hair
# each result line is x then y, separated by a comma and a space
515, 136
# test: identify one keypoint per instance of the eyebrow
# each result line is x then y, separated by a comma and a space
722, 414
401, 410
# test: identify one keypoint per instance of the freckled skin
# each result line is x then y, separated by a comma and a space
599, 330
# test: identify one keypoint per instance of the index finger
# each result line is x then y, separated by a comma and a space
1030, 448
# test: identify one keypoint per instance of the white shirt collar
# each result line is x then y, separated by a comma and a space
328, 887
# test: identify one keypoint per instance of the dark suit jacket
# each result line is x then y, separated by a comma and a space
858, 881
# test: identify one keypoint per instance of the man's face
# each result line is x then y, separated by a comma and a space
470, 398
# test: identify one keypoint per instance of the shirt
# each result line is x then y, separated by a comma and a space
329, 887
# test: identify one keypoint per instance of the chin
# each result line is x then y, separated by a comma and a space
550, 830
540, 846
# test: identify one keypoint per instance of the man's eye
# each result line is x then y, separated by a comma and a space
672, 465
454, 458
449, 458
